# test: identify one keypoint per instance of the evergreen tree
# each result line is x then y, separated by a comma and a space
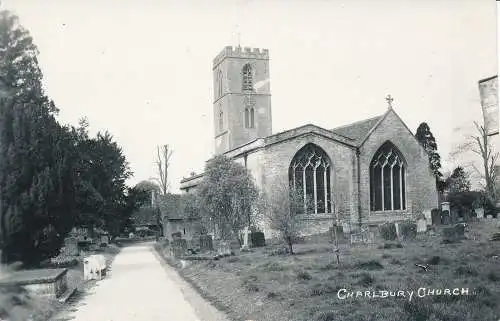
427, 140
458, 182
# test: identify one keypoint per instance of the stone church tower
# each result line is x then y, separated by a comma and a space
242, 97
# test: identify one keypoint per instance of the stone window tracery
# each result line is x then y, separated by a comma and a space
247, 78
388, 179
249, 117
309, 175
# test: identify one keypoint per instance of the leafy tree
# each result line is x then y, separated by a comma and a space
51, 176
284, 206
458, 181
427, 140
37, 154
227, 195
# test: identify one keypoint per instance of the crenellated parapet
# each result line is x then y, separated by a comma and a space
239, 52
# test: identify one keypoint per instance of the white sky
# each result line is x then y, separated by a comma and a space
142, 69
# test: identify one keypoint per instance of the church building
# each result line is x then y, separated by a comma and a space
368, 172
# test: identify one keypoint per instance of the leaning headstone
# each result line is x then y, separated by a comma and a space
479, 212
421, 226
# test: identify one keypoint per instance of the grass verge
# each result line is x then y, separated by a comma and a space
262, 285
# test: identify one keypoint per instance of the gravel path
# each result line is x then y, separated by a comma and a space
142, 288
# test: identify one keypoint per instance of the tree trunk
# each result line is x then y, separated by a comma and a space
290, 246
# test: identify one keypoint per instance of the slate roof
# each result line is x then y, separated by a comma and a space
358, 130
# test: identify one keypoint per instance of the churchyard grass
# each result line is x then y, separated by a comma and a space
261, 286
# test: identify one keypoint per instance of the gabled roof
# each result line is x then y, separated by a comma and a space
359, 130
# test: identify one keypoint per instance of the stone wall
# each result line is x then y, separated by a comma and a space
270, 165
421, 187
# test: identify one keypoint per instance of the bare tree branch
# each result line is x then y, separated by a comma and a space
163, 162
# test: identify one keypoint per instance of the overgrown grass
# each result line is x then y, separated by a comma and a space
259, 286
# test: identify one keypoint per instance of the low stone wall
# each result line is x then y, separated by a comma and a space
46, 282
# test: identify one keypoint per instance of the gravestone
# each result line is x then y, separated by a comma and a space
206, 243
428, 216
445, 206
445, 217
246, 238
421, 226
479, 212
398, 230
224, 248
71, 246
105, 239
346, 228
435, 217
369, 237
356, 238
179, 247
258, 239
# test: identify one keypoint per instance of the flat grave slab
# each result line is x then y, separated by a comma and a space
45, 282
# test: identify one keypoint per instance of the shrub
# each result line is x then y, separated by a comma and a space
388, 231
258, 239
408, 229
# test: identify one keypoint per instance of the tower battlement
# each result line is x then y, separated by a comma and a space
241, 52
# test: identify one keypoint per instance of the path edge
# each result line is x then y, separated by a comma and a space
206, 303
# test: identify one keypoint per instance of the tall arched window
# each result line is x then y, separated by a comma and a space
388, 179
249, 117
247, 78
309, 175
219, 84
